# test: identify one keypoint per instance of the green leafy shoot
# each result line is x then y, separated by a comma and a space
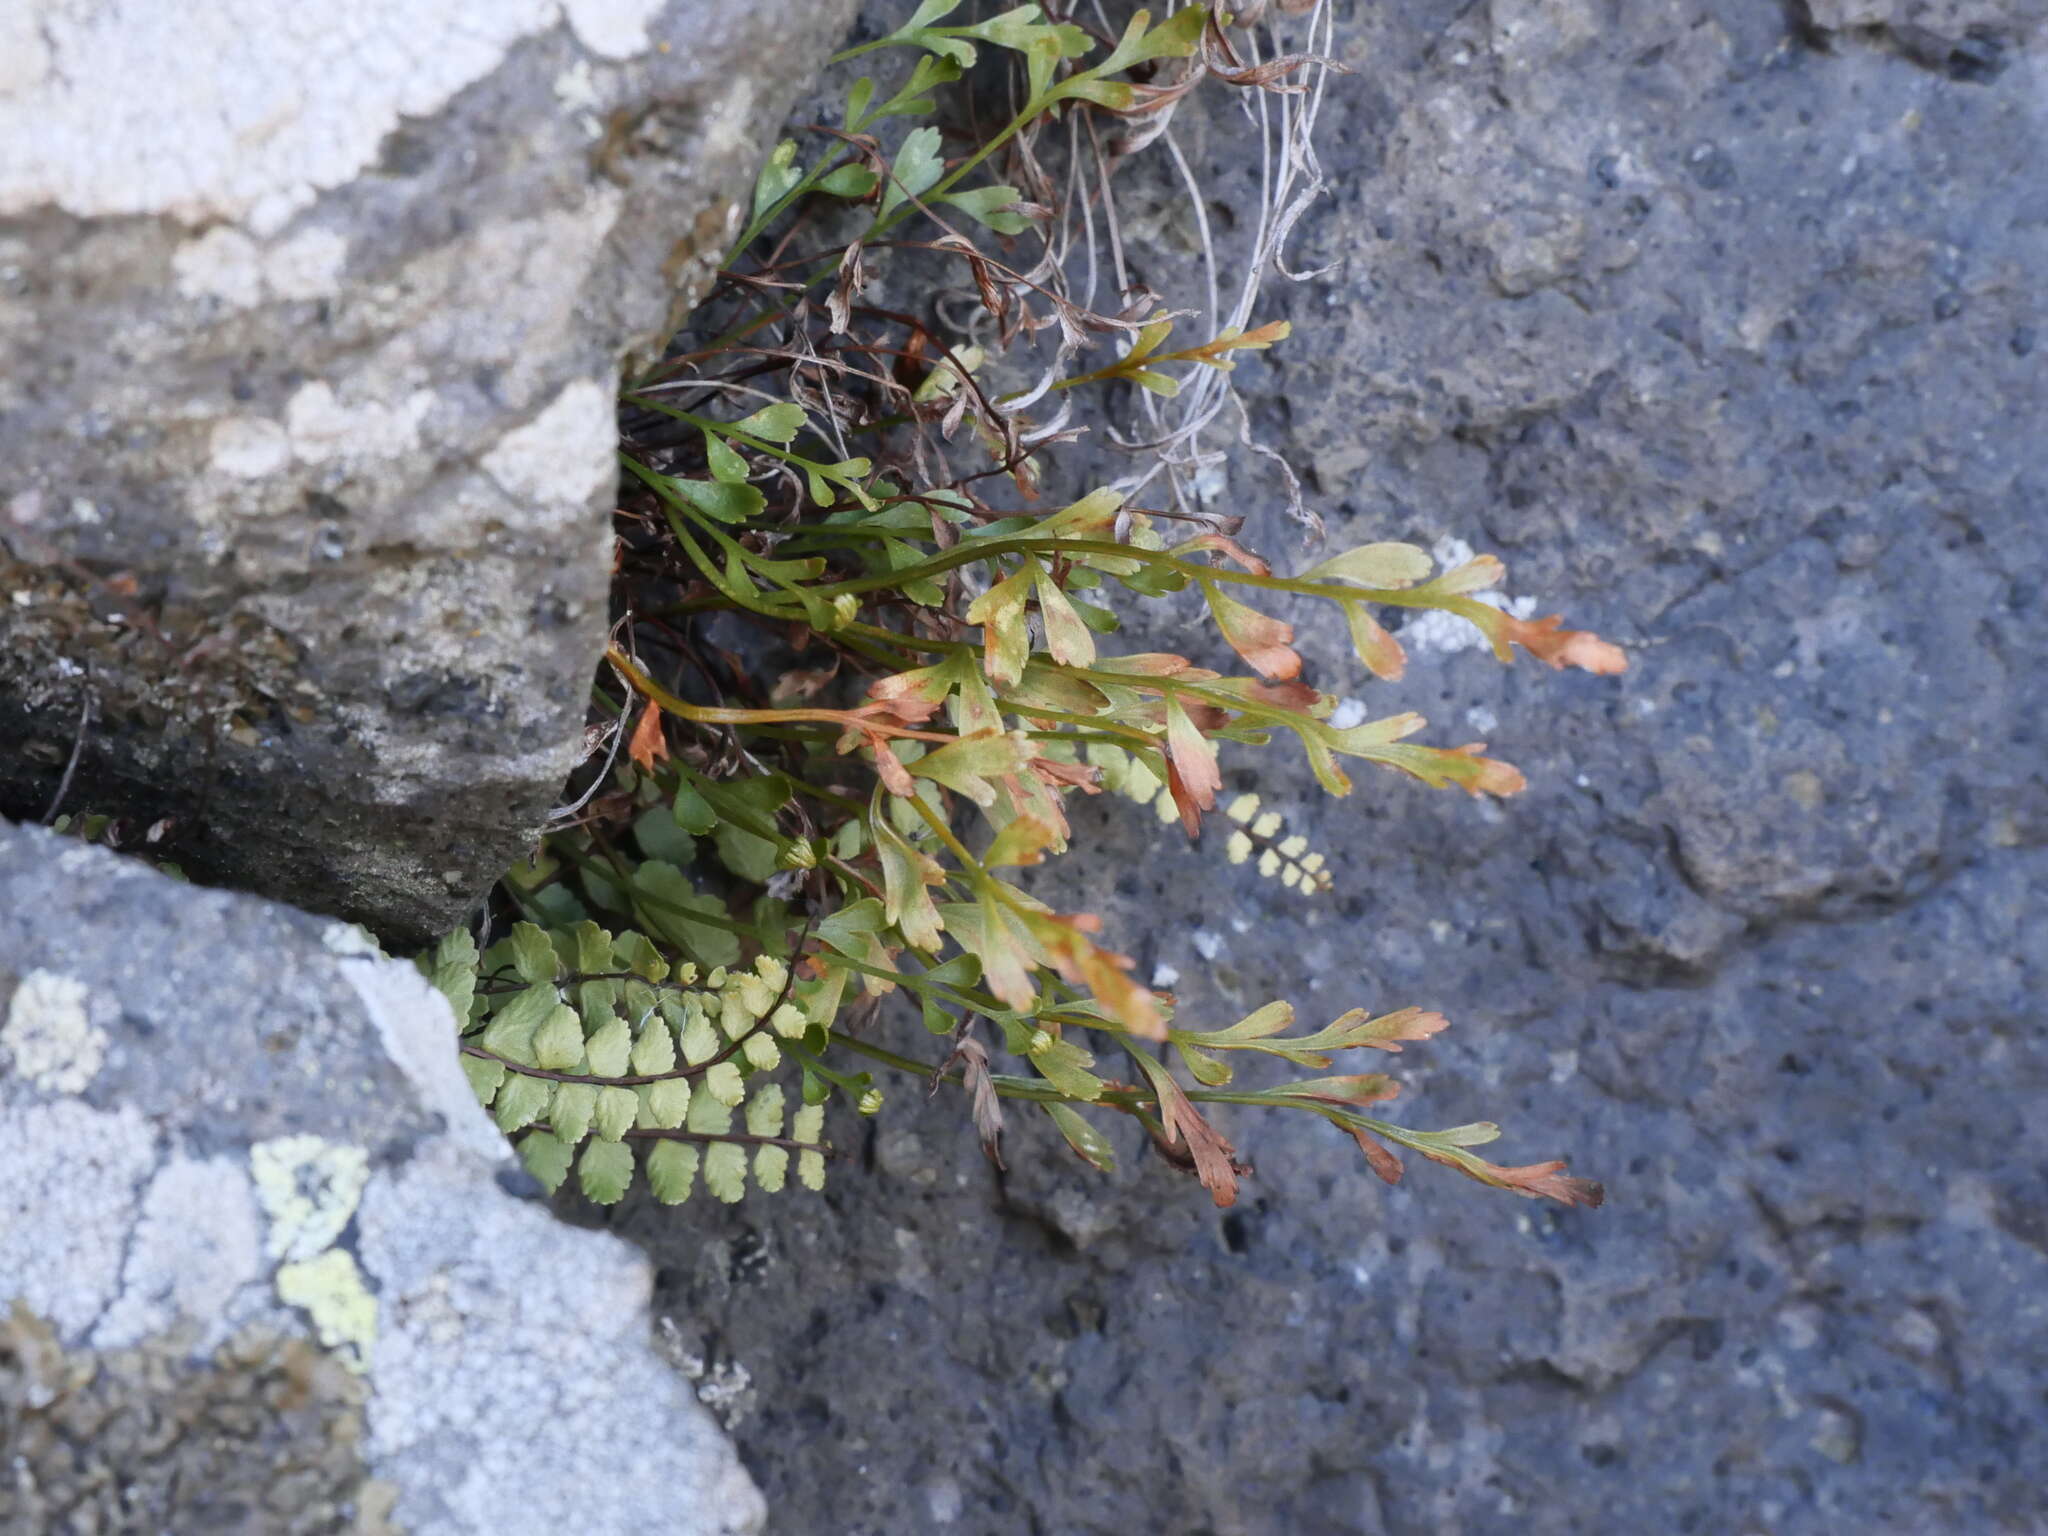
864, 670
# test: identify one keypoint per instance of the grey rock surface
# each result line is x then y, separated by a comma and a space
309, 336
1722, 325
262, 1262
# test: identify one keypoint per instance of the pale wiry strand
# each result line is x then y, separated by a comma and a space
1146, 122
1078, 195
1200, 205
929, 460
801, 390
1049, 272
615, 734
1285, 197
1148, 403
1054, 371
1300, 153
787, 477
1025, 171
817, 361
811, 363
805, 393
1296, 507
1290, 180
964, 314
1202, 395
1049, 431
1112, 228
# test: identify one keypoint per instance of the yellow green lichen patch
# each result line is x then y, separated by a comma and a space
309, 1188
330, 1288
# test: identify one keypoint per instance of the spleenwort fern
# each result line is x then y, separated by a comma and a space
789, 846
579, 1038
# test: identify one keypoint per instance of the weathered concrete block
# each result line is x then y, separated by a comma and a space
259, 1265
308, 340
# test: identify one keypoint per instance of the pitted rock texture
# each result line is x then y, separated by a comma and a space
263, 1434
262, 1262
1724, 330
307, 355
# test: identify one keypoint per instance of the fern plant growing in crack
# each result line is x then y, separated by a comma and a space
861, 665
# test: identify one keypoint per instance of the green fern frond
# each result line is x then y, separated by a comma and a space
580, 1038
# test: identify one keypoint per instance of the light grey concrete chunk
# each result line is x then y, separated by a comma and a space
307, 359
267, 1180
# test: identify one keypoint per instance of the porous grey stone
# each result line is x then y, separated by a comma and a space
260, 1268
309, 335
1915, 25
1727, 337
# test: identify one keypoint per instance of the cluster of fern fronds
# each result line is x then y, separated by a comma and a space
860, 666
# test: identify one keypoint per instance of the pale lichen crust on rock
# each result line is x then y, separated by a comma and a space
268, 105
50, 1035
253, 1217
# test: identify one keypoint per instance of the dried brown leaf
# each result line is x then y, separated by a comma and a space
1377, 1157
1262, 640
1082, 776
1195, 1139
1536, 1180
894, 776
1223, 62
1490, 775
1084, 963
1387, 1031
803, 683
1192, 774
971, 1056
852, 280
1380, 651
648, 745
983, 272
1227, 547
1543, 639
1296, 695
